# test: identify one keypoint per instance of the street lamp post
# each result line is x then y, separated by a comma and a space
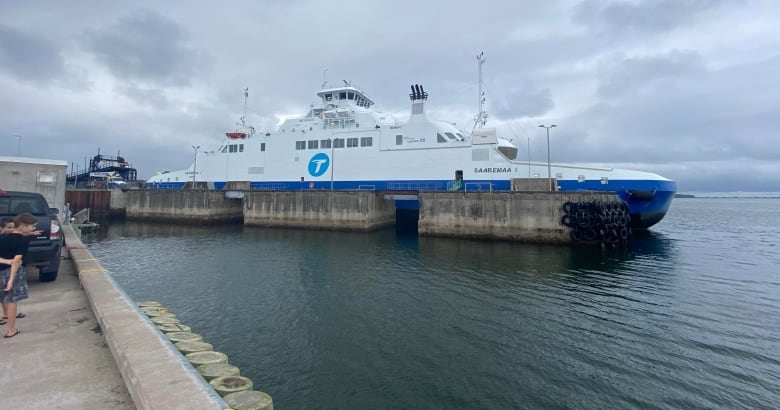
549, 173
18, 145
195, 164
332, 143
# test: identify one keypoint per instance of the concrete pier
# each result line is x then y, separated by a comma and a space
516, 216
60, 359
155, 374
337, 210
183, 206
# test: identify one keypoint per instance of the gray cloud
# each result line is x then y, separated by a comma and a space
29, 56
645, 85
634, 75
149, 47
622, 18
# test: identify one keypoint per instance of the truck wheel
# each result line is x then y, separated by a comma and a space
49, 272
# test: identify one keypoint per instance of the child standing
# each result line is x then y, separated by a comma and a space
13, 246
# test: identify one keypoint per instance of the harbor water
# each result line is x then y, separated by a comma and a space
687, 316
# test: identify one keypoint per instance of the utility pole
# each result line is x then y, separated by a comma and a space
195, 165
549, 173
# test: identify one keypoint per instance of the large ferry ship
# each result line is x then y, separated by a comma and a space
343, 142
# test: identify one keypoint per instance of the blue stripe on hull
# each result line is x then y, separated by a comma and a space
644, 213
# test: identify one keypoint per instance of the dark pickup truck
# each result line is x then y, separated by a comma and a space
44, 249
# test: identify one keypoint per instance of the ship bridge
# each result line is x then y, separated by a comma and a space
345, 96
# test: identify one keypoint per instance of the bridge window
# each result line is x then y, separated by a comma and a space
439, 138
350, 96
343, 95
313, 144
399, 140
366, 141
338, 143
262, 146
328, 97
325, 143
450, 135
240, 147
352, 142
233, 148
299, 145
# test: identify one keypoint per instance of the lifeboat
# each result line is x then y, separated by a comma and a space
236, 135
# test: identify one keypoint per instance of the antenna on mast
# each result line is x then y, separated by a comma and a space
324, 78
481, 117
246, 96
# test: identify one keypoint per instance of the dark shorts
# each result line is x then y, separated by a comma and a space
19, 291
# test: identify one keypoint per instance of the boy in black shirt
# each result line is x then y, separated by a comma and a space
13, 247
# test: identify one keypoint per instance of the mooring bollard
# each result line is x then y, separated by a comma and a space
200, 358
176, 337
187, 346
249, 400
174, 327
162, 320
212, 371
225, 385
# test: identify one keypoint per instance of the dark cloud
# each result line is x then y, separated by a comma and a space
632, 76
637, 18
523, 100
147, 47
29, 56
145, 96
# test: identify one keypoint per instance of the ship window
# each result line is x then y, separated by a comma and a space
509, 152
240, 147
439, 138
580, 178
328, 97
325, 143
604, 180
299, 145
350, 96
224, 149
233, 148
450, 135
338, 143
343, 95
262, 146
480, 154
352, 142
460, 137
366, 141
399, 140
313, 144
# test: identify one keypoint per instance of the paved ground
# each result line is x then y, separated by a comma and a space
60, 360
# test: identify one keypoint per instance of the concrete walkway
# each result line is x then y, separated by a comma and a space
60, 360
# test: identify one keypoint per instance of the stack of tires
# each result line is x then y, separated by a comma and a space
607, 222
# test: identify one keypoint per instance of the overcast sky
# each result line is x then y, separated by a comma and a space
689, 89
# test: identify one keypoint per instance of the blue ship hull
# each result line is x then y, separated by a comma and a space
645, 209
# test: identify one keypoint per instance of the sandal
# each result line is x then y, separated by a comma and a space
10, 336
18, 316
3, 321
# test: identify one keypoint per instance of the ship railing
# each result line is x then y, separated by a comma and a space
80, 217
478, 186
416, 186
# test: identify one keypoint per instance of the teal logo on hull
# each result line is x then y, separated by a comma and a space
318, 164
